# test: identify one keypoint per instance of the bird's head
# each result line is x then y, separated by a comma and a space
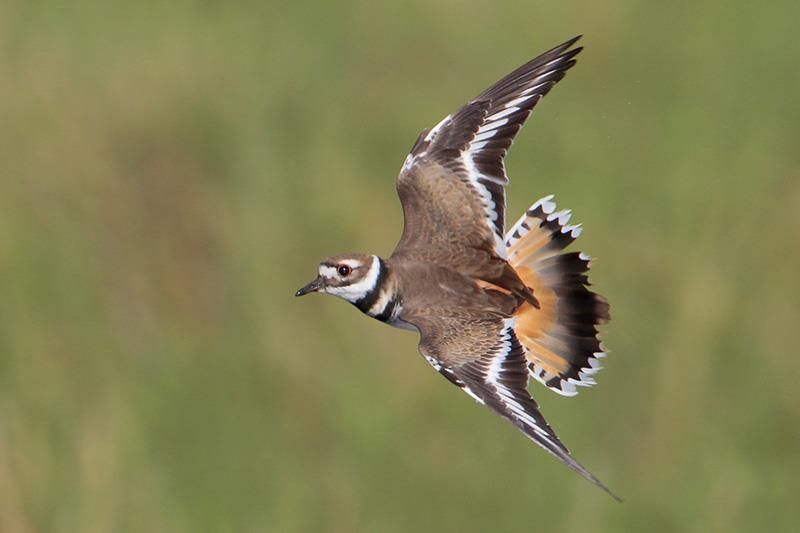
350, 276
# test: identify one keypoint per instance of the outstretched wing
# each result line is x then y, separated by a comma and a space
452, 185
483, 357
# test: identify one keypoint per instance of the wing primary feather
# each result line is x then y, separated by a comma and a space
467, 150
496, 375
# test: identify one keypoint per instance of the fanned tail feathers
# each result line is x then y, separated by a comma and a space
561, 338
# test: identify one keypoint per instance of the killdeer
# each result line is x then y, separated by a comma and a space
492, 307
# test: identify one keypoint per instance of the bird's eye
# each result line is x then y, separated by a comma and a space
344, 270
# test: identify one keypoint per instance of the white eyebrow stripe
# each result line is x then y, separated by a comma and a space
356, 291
327, 271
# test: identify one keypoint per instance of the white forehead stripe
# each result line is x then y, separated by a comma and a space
327, 272
357, 291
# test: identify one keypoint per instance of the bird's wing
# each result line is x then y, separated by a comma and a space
452, 184
482, 355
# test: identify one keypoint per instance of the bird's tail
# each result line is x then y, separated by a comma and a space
560, 337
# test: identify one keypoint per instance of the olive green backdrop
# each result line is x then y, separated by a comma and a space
170, 173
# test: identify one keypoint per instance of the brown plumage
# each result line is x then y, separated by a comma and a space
492, 308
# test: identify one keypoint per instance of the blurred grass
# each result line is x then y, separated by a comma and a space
171, 172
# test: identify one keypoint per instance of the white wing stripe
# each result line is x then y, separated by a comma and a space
477, 146
437, 365
504, 113
493, 125
483, 136
496, 370
489, 207
522, 99
533, 88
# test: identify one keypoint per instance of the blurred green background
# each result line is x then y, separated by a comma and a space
170, 173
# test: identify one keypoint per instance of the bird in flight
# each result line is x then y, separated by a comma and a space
493, 308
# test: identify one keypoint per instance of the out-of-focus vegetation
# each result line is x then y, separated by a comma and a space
171, 172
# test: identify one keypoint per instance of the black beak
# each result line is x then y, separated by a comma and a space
314, 286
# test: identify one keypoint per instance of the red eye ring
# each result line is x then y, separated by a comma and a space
344, 270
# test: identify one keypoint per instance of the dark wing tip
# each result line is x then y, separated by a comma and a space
565, 45
564, 54
592, 479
